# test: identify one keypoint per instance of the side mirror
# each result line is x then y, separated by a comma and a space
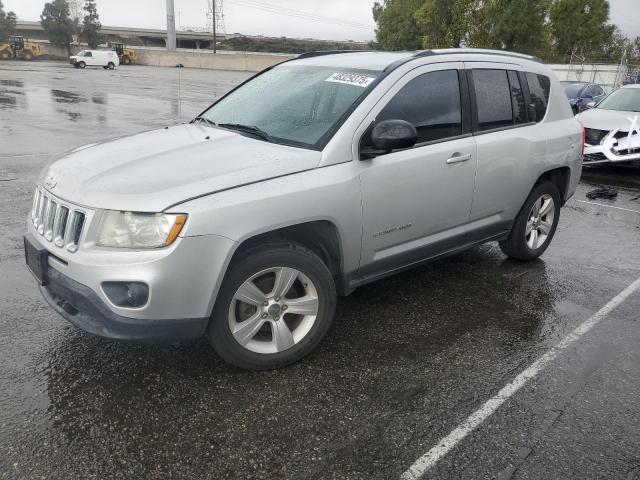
591, 105
394, 135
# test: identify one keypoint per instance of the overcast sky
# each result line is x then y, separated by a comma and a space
242, 18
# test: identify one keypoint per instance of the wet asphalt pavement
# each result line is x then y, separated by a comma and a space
407, 360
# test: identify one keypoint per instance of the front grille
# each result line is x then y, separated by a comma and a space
595, 157
58, 221
593, 136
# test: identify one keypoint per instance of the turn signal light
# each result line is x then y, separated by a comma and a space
176, 229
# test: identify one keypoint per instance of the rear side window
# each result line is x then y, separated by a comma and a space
493, 98
431, 102
539, 88
517, 98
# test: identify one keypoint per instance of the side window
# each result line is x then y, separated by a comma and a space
594, 91
517, 98
88, 54
431, 102
493, 99
539, 89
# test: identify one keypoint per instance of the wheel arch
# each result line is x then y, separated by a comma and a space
322, 237
560, 177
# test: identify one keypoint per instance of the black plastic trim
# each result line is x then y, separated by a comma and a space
81, 306
408, 260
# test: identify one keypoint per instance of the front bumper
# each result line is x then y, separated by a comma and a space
613, 149
81, 306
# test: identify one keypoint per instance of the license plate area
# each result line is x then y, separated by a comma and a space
37, 259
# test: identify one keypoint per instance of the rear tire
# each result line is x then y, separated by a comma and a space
27, 56
257, 327
126, 60
111, 66
535, 225
5, 55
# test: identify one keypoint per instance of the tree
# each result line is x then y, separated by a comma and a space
7, 23
580, 26
91, 24
57, 23
397, 26
446, 23
518, 25
76, 13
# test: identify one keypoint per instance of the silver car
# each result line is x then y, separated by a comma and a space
312, 178
612, 127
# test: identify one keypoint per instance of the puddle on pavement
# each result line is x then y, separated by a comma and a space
63, 96
12, 83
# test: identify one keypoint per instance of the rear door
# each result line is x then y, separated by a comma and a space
510, 145
416, 201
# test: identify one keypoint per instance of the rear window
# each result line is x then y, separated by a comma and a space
493, 98
539, 89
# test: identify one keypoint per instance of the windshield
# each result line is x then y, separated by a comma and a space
80, 53
573, 89
294, 105
625, 99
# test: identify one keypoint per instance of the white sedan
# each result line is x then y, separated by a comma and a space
612, 127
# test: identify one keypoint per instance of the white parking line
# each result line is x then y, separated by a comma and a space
429, 459
609, 206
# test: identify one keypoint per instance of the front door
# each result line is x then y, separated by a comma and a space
416, 202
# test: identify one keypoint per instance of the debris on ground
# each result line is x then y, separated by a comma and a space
603, 192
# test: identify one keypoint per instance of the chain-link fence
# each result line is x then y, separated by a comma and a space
611, 73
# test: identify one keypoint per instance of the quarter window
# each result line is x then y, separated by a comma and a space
493, 98
539, 89
431, 102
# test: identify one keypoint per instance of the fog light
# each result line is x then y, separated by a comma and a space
127, 294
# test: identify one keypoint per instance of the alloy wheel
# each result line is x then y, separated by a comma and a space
540, 221
273, 310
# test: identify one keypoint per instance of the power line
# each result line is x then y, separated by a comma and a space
290, 12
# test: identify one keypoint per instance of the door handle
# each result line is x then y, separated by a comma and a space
458, 158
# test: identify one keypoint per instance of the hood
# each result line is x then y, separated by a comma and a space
150, 171
601, 119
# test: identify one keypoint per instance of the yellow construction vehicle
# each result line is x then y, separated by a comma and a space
126, 55
19, 48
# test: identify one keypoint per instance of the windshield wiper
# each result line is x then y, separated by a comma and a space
250, 129
205, 120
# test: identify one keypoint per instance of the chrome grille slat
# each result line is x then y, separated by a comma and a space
58, 221
42, 216
51, 216
60, 228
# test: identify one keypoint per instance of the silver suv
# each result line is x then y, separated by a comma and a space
310, 179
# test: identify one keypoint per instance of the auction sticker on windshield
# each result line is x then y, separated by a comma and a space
351, 79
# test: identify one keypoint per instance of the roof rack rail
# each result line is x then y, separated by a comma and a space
462, 51
320, 53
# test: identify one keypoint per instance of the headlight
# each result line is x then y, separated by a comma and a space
139, 230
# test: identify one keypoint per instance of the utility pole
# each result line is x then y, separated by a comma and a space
214, 27
171, 26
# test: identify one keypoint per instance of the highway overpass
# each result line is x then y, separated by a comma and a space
148, 37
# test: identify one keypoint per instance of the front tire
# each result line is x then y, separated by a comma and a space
81, 65
275, 305
535, 225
